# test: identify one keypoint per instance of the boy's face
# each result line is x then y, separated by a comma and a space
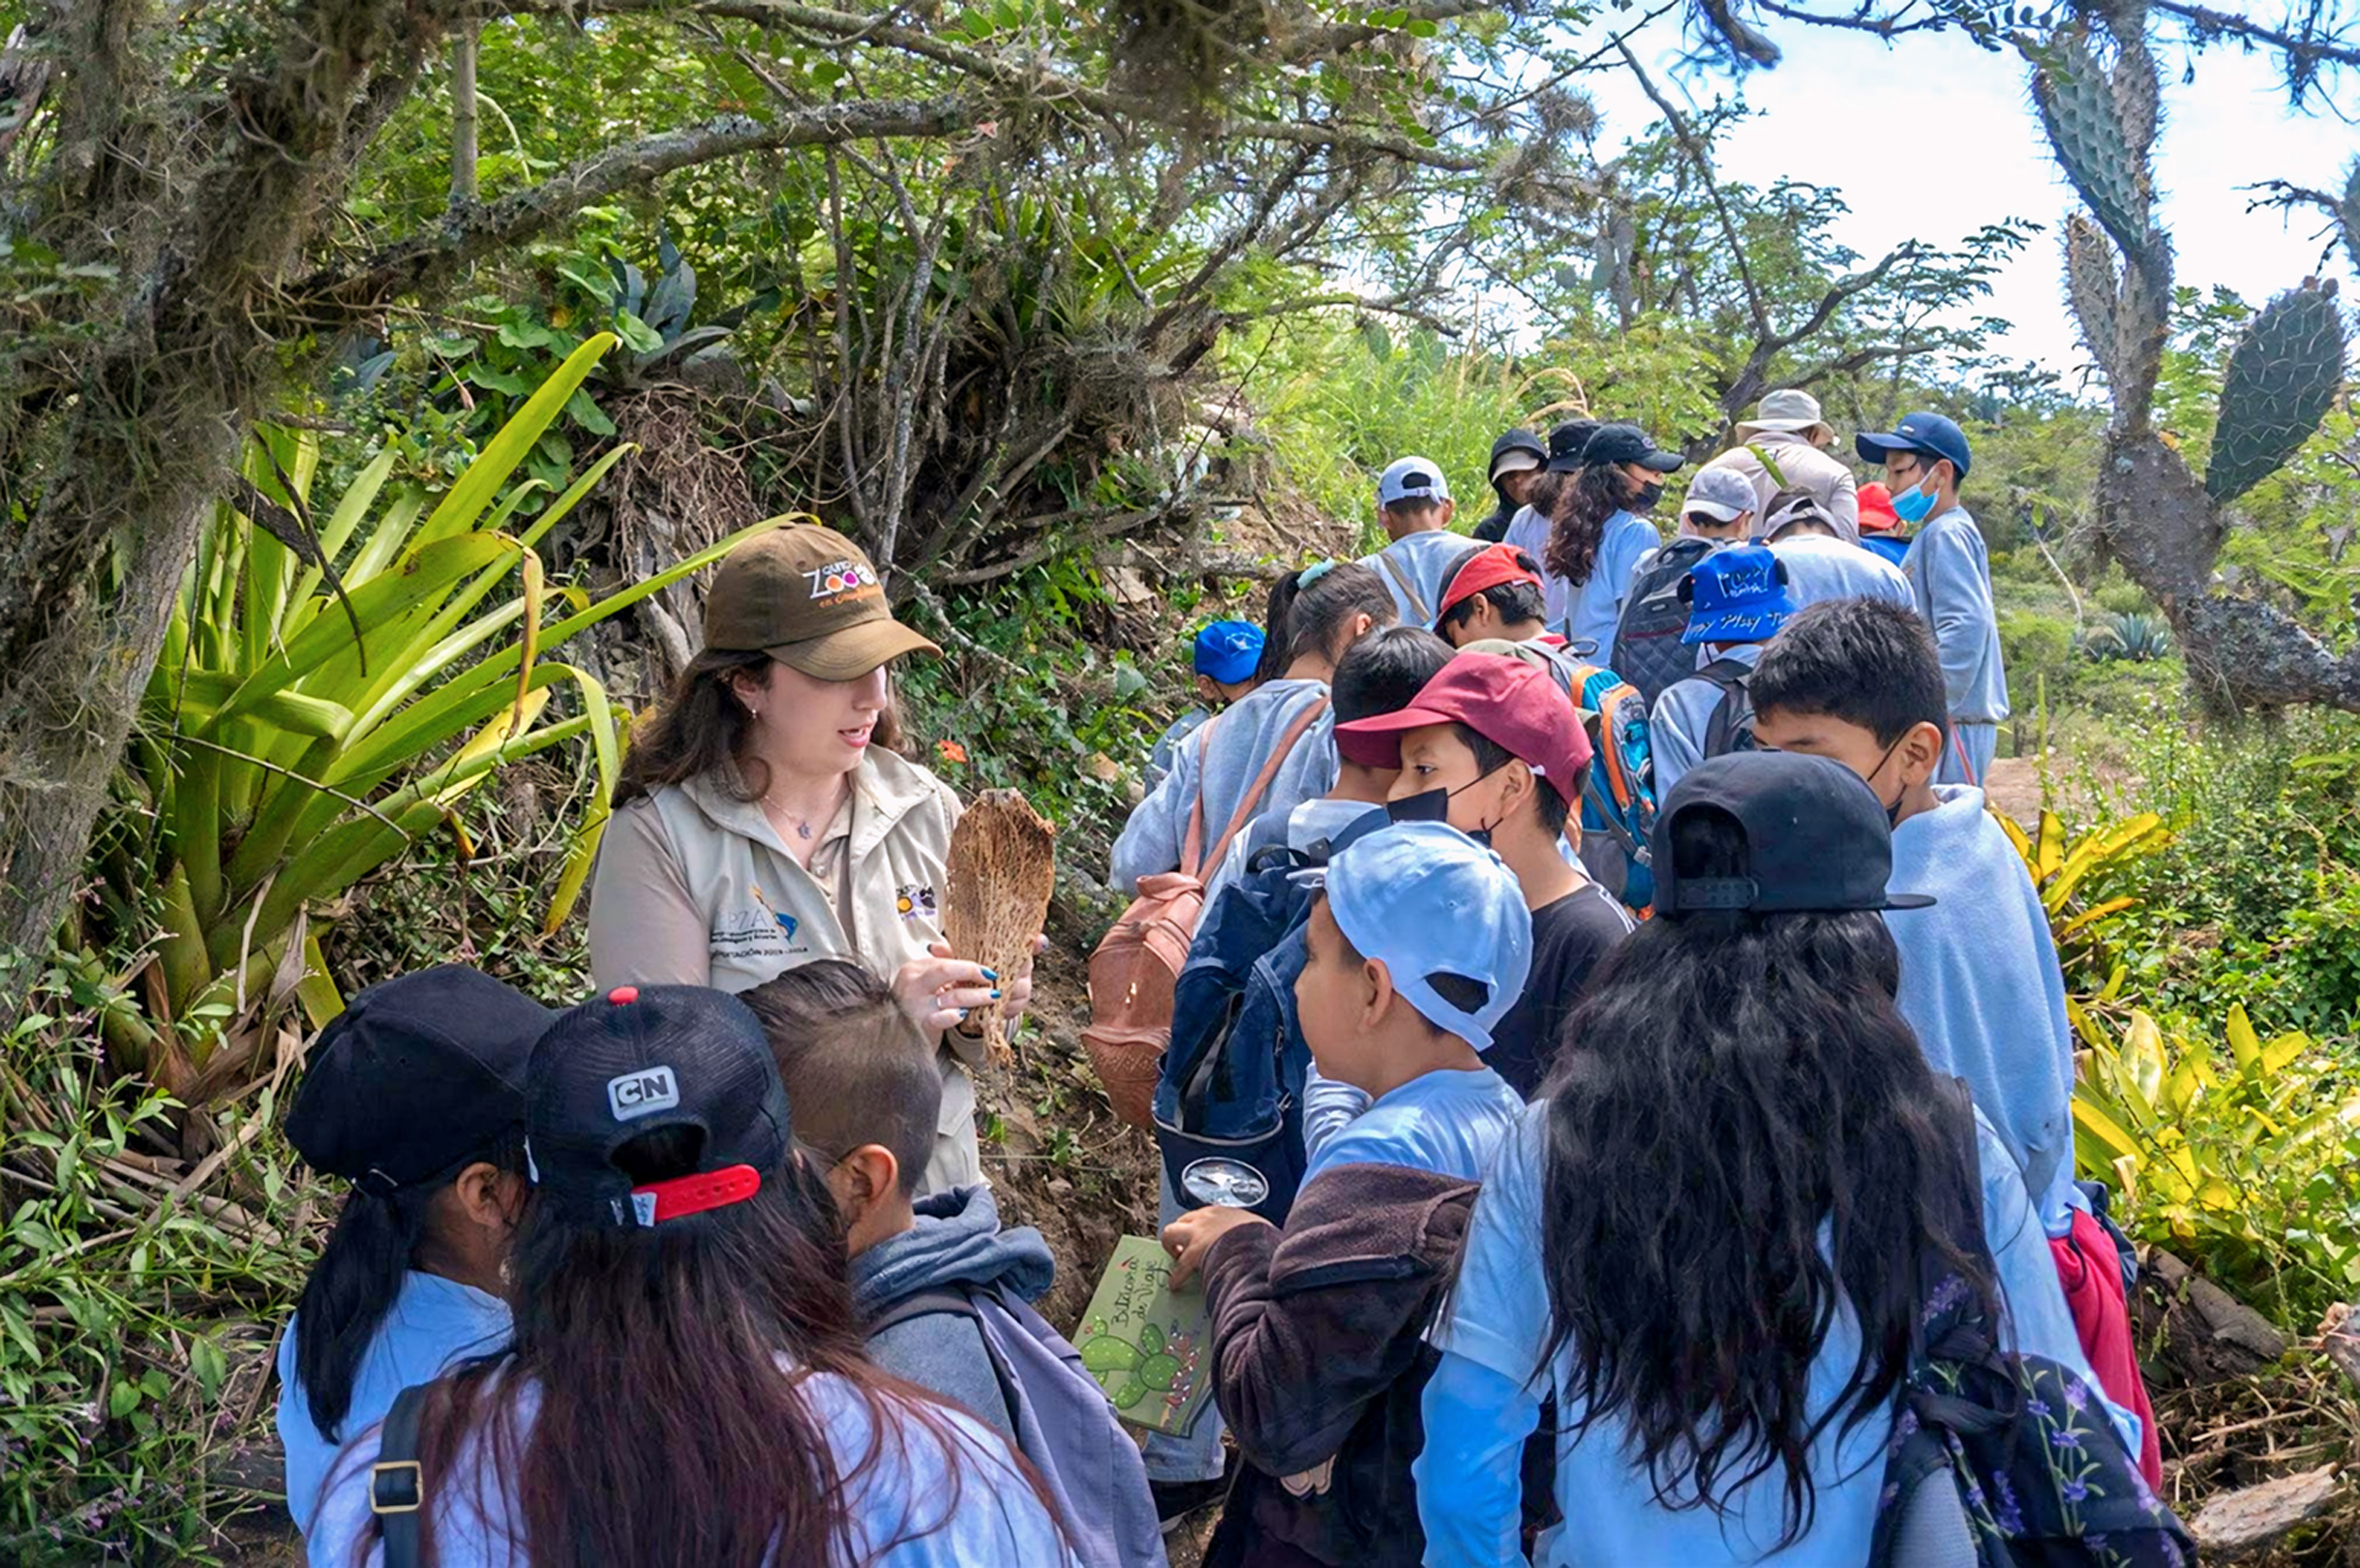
1332, 996
1435, 758
1517, 486
1891, 770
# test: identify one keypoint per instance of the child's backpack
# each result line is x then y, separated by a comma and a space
1648, 650
2007, 1460
1618, 796
1087, 1463
1136, 964
1232, 1084
1731, 727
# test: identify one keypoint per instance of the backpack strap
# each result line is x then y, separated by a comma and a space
397, 1487
1250, 803
1409, 587
1729, 676
956, 1301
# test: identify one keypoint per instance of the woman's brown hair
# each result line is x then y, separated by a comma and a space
1592, 494
698, 731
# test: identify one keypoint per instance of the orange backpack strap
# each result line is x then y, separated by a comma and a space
1250, 802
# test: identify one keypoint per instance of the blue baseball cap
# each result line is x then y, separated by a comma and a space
1736, 595
1427, 901
1929, 435
1229, 650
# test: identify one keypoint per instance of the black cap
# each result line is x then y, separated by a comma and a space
416, 1074
1566, 444
1628, 443
1816, 838
636, 1060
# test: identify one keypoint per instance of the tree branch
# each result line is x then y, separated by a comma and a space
335, 295
1704, 166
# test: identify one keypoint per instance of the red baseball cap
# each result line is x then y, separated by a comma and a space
1877, 515
1517, 706
1488, 567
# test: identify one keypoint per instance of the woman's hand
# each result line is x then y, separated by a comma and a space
939, 990
1020, 989
1190, 1238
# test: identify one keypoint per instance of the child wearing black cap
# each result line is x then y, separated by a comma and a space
416, 1096
686, 1387
1738, 1324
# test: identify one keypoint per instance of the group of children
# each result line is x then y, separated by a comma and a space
1594, 1236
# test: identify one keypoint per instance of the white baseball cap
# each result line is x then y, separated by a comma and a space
1411, 478
1429, 904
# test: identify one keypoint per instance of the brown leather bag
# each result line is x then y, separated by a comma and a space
1136, 967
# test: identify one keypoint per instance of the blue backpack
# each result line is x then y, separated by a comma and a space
1232, 1079
1086, 1461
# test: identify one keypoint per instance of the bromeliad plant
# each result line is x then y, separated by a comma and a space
2251, 1165
308, 721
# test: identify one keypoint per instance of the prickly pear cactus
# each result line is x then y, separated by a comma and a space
2078, 109
2281, 376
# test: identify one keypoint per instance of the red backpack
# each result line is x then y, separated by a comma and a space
1136, 967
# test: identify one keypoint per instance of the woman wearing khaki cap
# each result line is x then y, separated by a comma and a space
758, 827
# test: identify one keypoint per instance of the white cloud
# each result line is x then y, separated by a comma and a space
1931, 137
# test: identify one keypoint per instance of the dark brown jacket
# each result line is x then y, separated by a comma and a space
1319, 1360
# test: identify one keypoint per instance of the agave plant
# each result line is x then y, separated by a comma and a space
317, 706
2134, 636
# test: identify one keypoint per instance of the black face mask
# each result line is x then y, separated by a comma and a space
1649, 495
1893, 812
1433, 805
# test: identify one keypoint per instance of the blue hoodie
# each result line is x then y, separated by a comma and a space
1980, 985
1220, 761
1950, 572
957, 1240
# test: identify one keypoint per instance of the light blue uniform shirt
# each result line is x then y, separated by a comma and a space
1167, 745
1528, 531
904, 1496
1818, 567
433, 1323
1220, 761
1683, 714
1981, 988
1421, 559
1950, 576
1484, 1400
1593, 609
1450, 1122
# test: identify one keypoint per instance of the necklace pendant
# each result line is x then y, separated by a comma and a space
803, 831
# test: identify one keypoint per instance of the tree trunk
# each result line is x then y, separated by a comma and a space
464, 113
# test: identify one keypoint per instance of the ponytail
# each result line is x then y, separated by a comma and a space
359, 1276
351, 1290
1309, 609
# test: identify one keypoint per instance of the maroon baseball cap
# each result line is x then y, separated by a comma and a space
1514, 705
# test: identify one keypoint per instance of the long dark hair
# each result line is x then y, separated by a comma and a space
699, 730
359, 1274
1755, 1068
668, 1433
1576, 520
1305, 618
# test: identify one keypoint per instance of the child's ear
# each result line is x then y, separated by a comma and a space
1920, 753
488, 1197
872, 1175
1377, 991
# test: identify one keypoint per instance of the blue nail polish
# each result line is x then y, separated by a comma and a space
995, 996
990, 974
962, 1014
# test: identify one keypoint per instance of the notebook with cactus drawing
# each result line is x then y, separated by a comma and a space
1144, 1345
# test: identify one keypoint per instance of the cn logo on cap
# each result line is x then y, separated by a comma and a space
643, 1093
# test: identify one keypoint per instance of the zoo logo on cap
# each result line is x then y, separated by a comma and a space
842, 580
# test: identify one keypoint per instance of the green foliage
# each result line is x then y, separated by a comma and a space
2281, 378
2136, 636
2062, 872
130, 1348
2247, 1161
302, 732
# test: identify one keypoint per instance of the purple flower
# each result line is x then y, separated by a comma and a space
2036, 1407
2077, 1394
2076, 1489
2010, 1512
2065, 1438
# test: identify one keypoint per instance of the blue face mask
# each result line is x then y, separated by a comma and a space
1911, 505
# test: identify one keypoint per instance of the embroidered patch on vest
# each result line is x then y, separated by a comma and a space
914, 902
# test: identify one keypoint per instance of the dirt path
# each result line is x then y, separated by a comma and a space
2013, 786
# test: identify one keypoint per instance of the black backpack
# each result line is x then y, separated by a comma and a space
1647, 651
2007, 1460
1732, 725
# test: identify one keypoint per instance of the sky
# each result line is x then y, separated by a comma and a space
1887, 123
